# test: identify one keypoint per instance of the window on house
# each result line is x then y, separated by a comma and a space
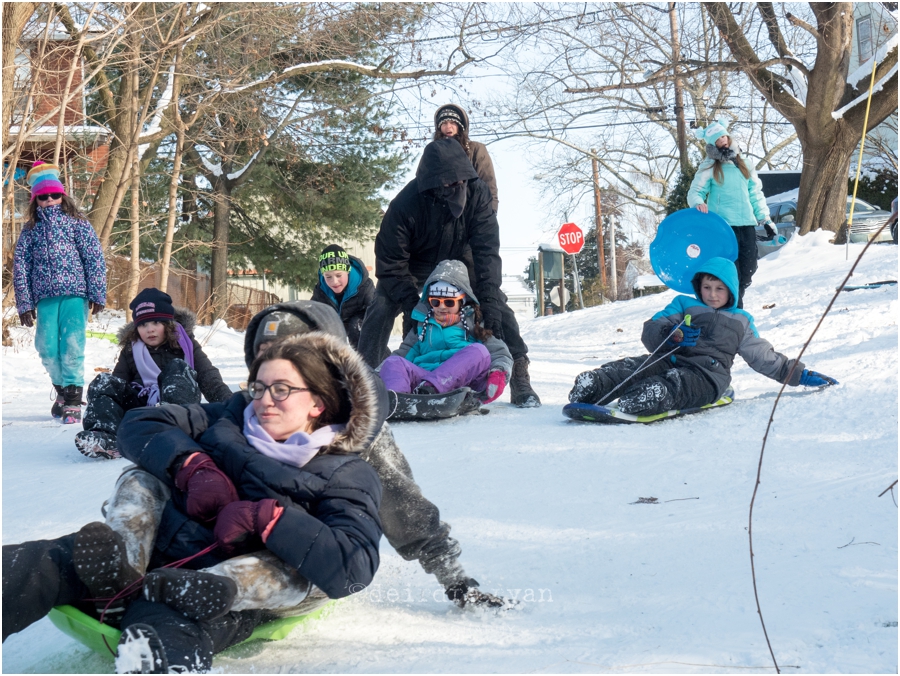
864, 38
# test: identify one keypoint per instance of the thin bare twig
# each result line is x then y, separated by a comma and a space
888, 488
769, 426
677, 499
859, 543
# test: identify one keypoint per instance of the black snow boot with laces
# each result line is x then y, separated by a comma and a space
72, 404
520, 392
57, 409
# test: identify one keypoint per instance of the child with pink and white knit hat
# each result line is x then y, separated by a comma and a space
59, 275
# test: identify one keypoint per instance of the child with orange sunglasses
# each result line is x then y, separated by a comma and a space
449, 348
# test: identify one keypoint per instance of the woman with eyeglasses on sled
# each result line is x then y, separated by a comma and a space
449, 348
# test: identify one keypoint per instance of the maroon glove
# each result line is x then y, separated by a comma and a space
495, 385
27, 318
207, 489
241, 521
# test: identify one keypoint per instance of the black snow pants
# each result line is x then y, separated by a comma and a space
110, 397
39, 575
660, 387
411, 524
747, 260
379, 320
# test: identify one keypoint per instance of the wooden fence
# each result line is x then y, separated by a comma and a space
188, 289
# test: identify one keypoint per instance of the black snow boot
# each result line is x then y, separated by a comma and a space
520, 392
466, 593
650, 397
57, 409
197, 595
97, 444
72, 404
588, 388
141, 651
102, 565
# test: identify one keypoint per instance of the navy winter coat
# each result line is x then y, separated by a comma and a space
330, 528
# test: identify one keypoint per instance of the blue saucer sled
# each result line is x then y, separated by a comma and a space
91, 632
685, 241
612, 414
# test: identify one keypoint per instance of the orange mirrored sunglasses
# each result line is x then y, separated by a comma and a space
446, 302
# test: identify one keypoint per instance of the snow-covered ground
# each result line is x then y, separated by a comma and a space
547, 510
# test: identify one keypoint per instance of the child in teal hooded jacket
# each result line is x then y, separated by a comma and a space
449, 348
690, 361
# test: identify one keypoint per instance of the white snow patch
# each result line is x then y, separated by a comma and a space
838, 114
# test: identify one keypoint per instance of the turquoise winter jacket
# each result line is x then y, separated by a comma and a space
739, 200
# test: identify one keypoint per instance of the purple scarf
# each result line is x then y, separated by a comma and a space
149, 371
297, 450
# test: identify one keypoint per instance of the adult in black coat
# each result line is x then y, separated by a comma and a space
445, 213
324, 525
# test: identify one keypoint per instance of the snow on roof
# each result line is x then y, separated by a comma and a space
784, 196
514, 285
645, 281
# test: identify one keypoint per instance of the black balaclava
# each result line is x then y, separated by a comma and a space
454, 196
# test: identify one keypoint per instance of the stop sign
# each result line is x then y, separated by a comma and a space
571, 238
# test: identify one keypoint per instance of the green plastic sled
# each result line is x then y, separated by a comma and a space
111, 337
90, 631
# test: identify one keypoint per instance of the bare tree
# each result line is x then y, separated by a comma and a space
827, 111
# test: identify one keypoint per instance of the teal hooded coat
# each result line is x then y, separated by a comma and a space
739, 200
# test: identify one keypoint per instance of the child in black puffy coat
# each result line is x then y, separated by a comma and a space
160, 363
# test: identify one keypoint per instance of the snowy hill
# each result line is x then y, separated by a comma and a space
547, 510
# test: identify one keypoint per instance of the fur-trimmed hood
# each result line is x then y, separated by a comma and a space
128, 333
358, 381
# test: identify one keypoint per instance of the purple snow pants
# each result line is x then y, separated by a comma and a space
467, 368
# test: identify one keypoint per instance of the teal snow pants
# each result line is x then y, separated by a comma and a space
59, 338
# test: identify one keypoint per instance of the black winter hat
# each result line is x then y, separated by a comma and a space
450, 112
334, 259
152, 305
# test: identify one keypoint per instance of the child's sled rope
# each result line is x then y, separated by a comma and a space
134, 586
769, 426
647, 363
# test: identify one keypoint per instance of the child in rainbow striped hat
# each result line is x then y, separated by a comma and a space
59, 274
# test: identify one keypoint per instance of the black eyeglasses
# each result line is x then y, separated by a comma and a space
279, 391
446, 302
49, 196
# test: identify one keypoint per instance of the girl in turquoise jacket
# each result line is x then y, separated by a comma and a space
725, 185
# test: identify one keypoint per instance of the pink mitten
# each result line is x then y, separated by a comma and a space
495, 385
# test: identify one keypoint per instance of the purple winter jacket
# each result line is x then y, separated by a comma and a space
58, 256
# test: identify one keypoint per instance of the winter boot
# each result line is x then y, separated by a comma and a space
265, 582
100, 563
520, 392
97, 444
72, 404
197, 595
650, 397
141, 651
425, 388
466, 593
134, 512
57, 409
587, 388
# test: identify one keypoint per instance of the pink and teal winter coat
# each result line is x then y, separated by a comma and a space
58, 256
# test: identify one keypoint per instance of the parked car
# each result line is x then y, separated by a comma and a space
866, 220
893, 221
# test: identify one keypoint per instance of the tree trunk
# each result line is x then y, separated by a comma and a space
218, 276
134, 276
822, 198
15, 16
173, 213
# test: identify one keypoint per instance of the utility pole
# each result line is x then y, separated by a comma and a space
613, 283
681, 133
599, 215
